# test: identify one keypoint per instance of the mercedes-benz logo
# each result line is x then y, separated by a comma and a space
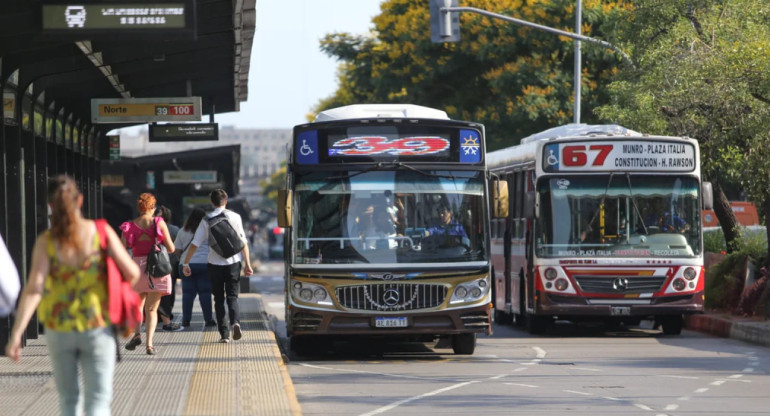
391, 297
620, 284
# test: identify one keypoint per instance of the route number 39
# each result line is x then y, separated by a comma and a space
577, 155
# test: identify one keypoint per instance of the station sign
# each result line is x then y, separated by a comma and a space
189, 176
185, 132
92, 18
145, 110
625, 155
114, 142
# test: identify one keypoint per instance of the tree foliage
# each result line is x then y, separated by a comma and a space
514, 79
703, 71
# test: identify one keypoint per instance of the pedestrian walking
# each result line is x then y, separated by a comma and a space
165, 310
140, 235
223, 230
197, 283
68, 281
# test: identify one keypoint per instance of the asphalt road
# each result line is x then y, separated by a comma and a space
581, 370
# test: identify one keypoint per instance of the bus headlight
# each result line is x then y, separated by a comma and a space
310, 293
690, 273
470, 291
550, 273
679, 284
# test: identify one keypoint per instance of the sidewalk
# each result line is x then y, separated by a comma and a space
753, 330
192, 374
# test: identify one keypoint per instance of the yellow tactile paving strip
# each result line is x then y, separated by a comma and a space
243, 377
192, 374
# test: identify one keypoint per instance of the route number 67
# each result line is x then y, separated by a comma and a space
577, 155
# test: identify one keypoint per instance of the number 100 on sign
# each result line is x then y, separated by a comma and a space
174, 110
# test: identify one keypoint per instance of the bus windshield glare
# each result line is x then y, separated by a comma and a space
385, 217
618, 216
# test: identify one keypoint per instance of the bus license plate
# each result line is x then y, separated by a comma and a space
620, 311
390, 322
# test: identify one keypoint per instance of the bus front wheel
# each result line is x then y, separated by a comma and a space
672, 325
464, 343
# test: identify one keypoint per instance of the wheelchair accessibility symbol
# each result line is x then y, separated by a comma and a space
305, 150
551, 160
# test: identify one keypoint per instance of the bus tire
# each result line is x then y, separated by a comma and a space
302, 345
672, 325
464, 344
537, 325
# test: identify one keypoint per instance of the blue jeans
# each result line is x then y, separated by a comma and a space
95, 351
197, 283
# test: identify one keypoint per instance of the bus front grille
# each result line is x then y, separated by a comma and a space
620, 284
391, 296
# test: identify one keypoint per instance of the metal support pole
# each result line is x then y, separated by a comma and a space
623, 55
578, 59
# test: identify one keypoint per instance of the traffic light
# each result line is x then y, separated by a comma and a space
444, 27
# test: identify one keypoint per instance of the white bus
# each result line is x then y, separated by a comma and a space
605, 224
388, 235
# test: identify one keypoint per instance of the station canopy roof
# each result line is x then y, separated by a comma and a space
212, 64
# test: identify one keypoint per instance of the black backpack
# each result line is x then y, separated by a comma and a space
222, 236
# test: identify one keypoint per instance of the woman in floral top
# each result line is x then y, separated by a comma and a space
68, 280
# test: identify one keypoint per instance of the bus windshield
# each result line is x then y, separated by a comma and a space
404, 216
618, 215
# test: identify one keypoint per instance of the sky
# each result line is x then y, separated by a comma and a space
289, 74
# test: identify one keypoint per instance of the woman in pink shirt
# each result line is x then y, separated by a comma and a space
140, 235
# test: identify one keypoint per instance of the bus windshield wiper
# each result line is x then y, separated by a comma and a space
633, 202
378, 165
604, 196
422, 172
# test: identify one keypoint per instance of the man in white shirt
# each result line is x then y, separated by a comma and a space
224, 273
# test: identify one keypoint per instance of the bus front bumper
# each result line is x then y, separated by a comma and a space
476, 319
566, 306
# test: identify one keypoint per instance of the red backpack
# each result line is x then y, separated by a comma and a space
124, 303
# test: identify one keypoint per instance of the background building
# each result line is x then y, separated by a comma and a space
262, 153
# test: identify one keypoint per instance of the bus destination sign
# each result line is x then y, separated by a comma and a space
185, 132
145, 110
625, 155
90, 17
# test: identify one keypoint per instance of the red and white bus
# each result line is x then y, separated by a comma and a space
604, 224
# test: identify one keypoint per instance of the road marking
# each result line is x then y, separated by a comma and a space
522, 385
540, 353
611, 398
684, 377
684, 398
577, 392
520, 369
411, 399
643, 407
671, 407
718, 382
701, 390
587, 369
736, 376
498, 377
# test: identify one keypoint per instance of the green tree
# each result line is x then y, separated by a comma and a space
703, 71
513, 79
271, 186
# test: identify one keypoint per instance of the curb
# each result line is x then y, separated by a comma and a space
755, 332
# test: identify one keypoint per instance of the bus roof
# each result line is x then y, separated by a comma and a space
573, 129
357, 111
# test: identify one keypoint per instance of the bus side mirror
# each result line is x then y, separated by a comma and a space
531, 204
500, 198
284, 208
707, 193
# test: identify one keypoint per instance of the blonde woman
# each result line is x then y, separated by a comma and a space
68, 280
140, 235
